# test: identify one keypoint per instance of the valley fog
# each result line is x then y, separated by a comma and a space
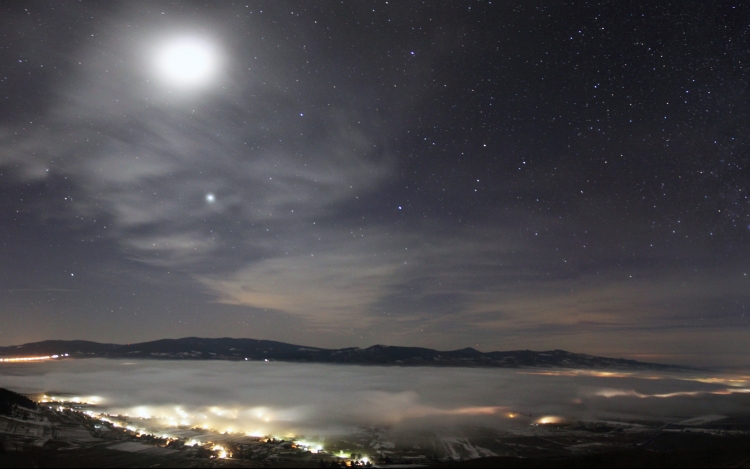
265, 398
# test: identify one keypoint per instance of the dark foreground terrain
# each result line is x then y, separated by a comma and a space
66, 434
693, 451
675, 451
196, 348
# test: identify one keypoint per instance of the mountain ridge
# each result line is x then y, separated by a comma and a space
227, 348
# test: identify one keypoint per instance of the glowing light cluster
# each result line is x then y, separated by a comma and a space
736, 381
254, 422
549, 419
732, 380
312, 446
633, 393
595, 373
221, 450
86, 400
32, 359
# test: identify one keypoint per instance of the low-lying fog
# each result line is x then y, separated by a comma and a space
280, 398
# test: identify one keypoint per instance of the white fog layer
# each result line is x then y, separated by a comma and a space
278, 398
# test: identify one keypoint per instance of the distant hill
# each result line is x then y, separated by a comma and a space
195, 348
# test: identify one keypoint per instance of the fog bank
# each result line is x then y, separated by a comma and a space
278, 398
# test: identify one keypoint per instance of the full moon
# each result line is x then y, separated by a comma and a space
187, 62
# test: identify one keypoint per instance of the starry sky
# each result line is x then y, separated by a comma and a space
501, 175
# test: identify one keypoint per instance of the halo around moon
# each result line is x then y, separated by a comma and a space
187, 62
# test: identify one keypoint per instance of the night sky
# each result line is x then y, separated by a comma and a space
501, 175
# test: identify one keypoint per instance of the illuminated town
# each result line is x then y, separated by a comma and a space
32, 359
173, 435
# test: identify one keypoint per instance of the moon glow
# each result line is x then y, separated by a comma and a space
187, 62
